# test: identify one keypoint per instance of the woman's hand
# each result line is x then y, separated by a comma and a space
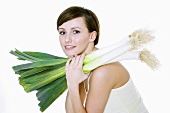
74, 73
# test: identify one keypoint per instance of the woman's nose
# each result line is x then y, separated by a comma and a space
68, 38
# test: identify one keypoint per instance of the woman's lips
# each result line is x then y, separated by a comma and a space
69, 47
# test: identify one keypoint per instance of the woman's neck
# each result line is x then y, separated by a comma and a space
90, 48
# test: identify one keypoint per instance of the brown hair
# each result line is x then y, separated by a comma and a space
91, 20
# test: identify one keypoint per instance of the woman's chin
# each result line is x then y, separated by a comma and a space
70, 55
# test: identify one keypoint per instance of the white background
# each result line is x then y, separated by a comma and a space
30, 25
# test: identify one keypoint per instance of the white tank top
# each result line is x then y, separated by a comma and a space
125, 99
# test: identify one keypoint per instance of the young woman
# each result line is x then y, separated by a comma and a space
108, 88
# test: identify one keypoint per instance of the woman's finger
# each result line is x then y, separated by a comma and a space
81, 60
77, 59
68, 62
72, 60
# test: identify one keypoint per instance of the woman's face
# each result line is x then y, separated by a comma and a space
74, 37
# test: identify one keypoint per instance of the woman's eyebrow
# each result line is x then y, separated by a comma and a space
75, 28
61, 28
71, 28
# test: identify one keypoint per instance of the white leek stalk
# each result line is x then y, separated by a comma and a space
129, 55
138, 38
94, 54
144, 56
108, 56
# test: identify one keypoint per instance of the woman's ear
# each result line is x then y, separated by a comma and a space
92, 36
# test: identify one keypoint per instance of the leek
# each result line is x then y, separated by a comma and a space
138, 38
46, 72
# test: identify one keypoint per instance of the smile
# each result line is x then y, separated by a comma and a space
69, 47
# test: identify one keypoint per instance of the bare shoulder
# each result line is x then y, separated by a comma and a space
102, 81
114, 74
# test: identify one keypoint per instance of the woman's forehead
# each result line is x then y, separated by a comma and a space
74, 23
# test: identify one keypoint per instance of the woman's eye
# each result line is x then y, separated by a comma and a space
76, 31
62, 33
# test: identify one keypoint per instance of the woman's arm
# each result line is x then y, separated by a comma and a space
102, 81
68, 104
75, 76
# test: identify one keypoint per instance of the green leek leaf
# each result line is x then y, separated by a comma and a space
21, 56
28, 56
42, 55
49, 93
51, 62
38, 80
33, 71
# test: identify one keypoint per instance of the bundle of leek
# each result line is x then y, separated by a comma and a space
46, 72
